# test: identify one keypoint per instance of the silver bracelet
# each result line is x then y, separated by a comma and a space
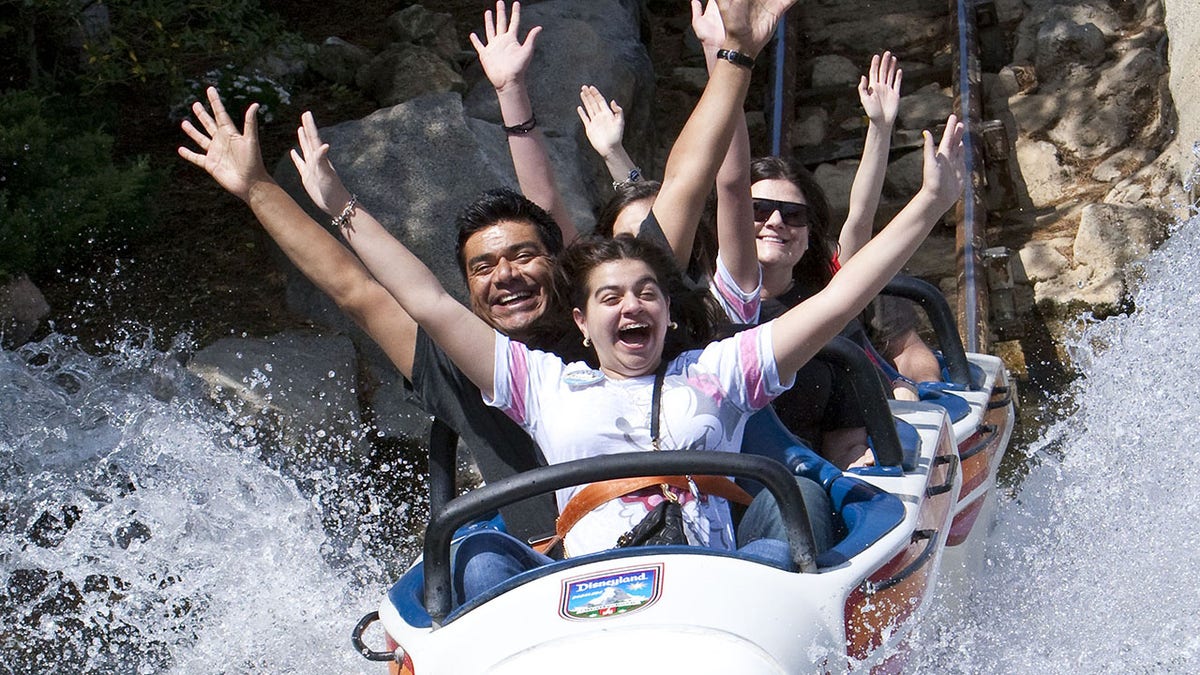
340, 221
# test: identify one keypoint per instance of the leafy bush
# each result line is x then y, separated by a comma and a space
60, 192
153, 45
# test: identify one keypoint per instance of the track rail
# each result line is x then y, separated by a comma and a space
970, 216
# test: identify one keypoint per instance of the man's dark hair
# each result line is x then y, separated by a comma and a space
500, 204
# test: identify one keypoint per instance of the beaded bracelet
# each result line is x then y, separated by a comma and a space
342, 218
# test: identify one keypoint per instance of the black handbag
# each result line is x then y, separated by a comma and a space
664, 523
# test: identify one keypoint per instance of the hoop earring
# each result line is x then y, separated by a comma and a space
672, 325
587, 342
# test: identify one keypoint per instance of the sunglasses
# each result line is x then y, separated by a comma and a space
793, 214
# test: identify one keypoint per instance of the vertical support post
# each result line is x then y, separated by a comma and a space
781, 95
971, 213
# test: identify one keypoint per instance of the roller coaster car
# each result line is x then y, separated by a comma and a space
634, 609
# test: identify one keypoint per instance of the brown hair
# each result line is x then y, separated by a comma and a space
691, 307
703, 261
815, 269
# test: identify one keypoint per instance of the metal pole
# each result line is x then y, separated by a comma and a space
971, 213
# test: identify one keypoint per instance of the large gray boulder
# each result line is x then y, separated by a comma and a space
594, 43
306, 383
404, 72
414, 166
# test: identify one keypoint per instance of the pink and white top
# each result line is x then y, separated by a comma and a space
739, 306
573, 412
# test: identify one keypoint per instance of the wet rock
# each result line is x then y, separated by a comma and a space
834, 69
339, 61
25, 584
308, 381
50, 528
433, 30
1045, 177
1094, 131
404, 72
925, 109
1041, 260
1122, 164
1110, 235
809, 126
22, 308
130, 533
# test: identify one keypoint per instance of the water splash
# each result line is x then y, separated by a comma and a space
1091, 566
142, 531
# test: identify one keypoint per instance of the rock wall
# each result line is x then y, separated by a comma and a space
1183, 29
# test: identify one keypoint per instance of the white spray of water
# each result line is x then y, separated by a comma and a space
142, 531
1092, 565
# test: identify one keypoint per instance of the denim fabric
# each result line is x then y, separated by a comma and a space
485, 559
763, 521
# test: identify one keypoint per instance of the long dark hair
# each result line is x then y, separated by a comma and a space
815, 268
691, 307
703, 261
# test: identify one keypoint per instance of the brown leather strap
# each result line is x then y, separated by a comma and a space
591, 497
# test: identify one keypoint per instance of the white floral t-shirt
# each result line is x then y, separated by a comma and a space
573, 412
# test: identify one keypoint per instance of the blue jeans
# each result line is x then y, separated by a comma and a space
488, 558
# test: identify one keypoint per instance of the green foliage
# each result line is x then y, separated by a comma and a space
136, 43
61, 195
238, 90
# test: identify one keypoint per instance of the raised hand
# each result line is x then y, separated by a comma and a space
707, 25
504, 57
749, 24
603, 122
229, 155
945, 171
320, 179
879, 89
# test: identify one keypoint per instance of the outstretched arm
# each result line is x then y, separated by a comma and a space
604, 124
879, 93
505, 59
702, 144
800, 332
234, 160
735, 212
466, 339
